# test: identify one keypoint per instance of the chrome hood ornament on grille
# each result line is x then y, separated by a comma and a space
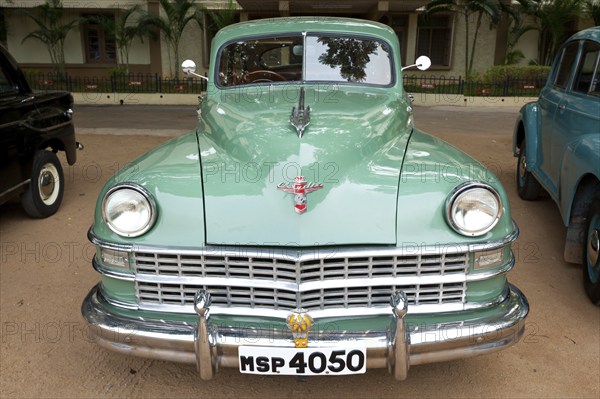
300, 187
300, 117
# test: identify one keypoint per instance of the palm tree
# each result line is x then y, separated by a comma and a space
591, 8
516, 29
223, 17
178, 14
553, 17
122, 30
52, 31
490, 9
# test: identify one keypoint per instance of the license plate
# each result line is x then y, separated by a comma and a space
309, 361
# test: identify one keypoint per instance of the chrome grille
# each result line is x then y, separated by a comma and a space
349, 279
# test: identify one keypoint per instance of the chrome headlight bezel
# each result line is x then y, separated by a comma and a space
150, 203
457, 193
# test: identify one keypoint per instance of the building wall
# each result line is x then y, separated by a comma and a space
34, 51
484, 51
190, 47
33, 54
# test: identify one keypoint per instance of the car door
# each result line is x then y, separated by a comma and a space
551, 103
578, 112
16, 105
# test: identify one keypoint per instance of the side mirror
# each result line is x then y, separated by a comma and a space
422, 63
189, 68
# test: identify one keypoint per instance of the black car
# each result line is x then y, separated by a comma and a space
34, 126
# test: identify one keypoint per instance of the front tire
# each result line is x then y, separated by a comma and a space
45, 191
591, 263
527, 187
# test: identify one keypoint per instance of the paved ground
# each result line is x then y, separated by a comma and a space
45, 272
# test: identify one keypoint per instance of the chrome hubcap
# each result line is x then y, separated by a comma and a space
523, 166
48, 184
594, 248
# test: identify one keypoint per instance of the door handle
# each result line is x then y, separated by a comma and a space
562, 107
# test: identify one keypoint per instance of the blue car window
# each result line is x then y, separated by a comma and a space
566, 65
586, 80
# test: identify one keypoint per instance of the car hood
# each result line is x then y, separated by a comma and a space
353, 147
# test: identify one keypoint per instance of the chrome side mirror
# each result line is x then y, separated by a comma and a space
189, 68
422, 63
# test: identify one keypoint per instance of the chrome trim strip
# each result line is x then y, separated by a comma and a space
494, 302
15, 187
318, 253
315, 285
487, 274
302, 287
316, 314
105, 244
116, 274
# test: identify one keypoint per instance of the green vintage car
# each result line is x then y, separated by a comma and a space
306, 227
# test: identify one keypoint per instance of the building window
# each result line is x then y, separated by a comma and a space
100, 47
434, 39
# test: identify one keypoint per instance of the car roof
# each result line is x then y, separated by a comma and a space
590, 34
303, 24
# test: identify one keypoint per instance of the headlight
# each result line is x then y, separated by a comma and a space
473, 209
128, 210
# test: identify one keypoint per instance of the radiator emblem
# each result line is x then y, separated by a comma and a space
299, 323
300, 188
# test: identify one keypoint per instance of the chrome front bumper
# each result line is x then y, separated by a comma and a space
398, 347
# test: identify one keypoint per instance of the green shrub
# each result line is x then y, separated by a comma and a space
500, 73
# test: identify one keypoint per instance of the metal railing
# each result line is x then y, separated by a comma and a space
153, 83
116, 83
510, 87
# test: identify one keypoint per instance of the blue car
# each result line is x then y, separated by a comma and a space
557, 142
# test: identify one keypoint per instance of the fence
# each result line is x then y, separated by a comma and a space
117, 83
458, 86
153, 83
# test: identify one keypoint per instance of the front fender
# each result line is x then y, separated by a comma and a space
432, 169
582, 158
171, 174
527, 127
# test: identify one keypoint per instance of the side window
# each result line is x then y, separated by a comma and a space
586, 79
566, 65
6, 86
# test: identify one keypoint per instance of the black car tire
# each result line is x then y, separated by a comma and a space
45, 191
591, 250
527, 187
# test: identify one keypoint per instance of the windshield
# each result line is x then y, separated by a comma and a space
313, 59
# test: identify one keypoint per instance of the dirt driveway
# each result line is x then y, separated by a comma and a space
45, 272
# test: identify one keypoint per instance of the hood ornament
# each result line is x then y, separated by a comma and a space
300, 188
300, 117
300, 323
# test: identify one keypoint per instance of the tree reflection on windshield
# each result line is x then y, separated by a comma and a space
350, 55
